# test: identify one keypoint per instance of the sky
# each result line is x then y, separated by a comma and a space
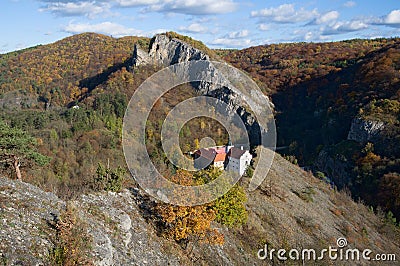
217, 23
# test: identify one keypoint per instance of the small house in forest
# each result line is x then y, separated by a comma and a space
228, 158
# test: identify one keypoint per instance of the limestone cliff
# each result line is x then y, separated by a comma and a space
363, 130
335, 163
165, 51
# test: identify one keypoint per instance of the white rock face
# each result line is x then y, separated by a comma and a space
165, 51
140, 57
116, 223
364, 130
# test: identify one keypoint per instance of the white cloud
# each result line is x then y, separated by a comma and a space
187, 7
350, 4
194, 28
108, 28
193, 7
263, 27
327, 17
344, 27
231, 43
134, 3
69, 9
238, 34
308, 36
206, 19
305, 34
286, 13
235, 39
392, 19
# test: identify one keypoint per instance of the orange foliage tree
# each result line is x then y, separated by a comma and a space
188, 222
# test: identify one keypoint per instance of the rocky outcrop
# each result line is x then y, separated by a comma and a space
165, 51
363, 130
16, 100
140, 57
336, 166
116, 223
25, 215
120, 235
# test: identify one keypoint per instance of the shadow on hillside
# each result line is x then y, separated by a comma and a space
92, 82
319, 111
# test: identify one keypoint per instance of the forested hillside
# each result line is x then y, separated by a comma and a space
39, 84
71, 96
60, 72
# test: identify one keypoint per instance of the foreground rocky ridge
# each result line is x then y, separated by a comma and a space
291, 209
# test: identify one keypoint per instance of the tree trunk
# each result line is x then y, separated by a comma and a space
16, 167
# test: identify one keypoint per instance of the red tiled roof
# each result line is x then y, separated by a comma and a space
220, 157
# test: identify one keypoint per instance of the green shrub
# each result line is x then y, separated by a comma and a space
390, 218
384, 110
306, 194
230, 208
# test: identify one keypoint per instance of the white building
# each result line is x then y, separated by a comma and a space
223, 157
238, 160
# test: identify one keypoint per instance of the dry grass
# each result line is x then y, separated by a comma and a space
72, 240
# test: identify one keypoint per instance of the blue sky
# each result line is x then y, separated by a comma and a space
218, 23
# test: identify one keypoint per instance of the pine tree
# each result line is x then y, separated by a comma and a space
18, 148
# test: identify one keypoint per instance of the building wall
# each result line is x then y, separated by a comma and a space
244, 162
219, 165
234, 165
239, 165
